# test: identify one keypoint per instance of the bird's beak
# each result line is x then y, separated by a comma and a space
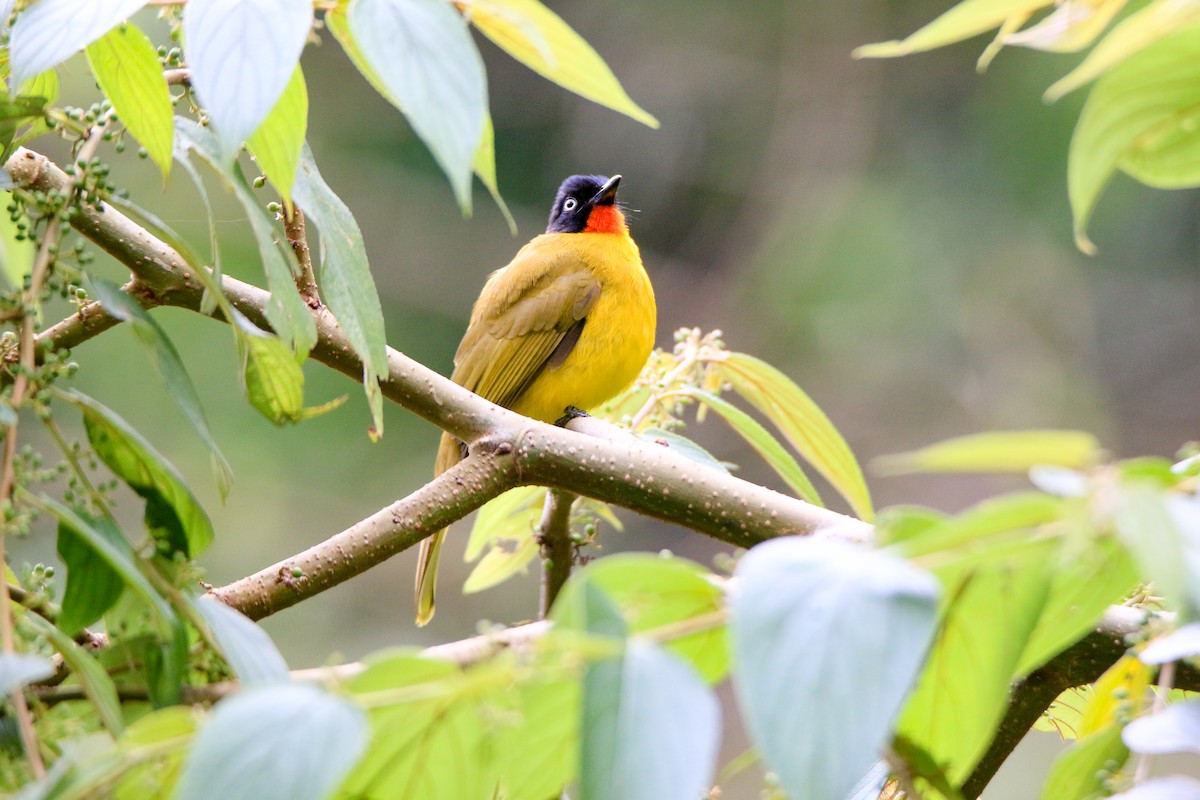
607, 194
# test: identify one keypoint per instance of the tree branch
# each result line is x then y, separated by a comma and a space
557, 549
297, 238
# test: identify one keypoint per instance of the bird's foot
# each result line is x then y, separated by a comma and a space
571, 413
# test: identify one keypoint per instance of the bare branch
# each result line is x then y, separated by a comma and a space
558, 551
297, 237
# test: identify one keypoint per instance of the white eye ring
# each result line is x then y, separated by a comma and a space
569, 204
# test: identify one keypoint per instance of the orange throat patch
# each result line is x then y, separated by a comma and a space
606, 219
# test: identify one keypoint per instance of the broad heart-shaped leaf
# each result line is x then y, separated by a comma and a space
437, 743
991, 604
288, 740
828, 640
125, 64
170, 367
92, 677
167, 731
50, 31
174, 516
997, 451
20, 669
1175, 729
967, 19
802, 423
1079, 771
651, 728
287, 313
651, 592
241, 54
277, 143
763, 442
346, 282
539, 753
1141, 117
93, 586
539, 39
421, 51
246, 646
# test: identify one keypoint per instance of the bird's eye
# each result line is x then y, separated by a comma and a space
569, 204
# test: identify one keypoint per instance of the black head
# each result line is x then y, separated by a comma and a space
576, 198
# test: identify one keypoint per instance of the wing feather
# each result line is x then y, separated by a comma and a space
522, 316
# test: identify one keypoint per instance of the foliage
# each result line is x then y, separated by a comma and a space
855, 664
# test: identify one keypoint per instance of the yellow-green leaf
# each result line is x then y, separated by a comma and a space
484, 163
1141, 116
44, 84
274, 381
1118, 695
126, 66
967, 19
1072, 26
1138, 31
802, 423
504, 528
1006, 451
763, 442
277, 143
1081, 771
542, 41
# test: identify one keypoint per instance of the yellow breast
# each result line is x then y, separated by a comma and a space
615, 341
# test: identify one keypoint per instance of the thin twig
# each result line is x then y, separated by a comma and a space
297, 237
558, 551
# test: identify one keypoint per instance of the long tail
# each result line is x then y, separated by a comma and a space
449, 454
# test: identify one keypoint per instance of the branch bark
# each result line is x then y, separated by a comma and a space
557, 549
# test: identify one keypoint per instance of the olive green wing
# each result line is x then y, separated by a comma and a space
529, 315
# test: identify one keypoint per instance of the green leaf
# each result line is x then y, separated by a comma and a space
274, 381
165, 732
1020, 511
93, 586
539, 39
277, 143
999, 451
967, 19
346, 282
166, 663
650, 728
92, 678
170, 368
539, 754
963, 692
286, 311
246, 646
653, 592
119, 557
241, 55
802, 423
503, 532
763, 443
436, 744
484, 165
1079, 772
1090, 575
820, 716
48, 32
174, 516
22, 669
14, 110
44, 85
422, 52
288, 740
1140, 117
125, 64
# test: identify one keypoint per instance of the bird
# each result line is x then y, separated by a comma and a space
566, 325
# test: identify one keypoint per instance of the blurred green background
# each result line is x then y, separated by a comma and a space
894, 235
